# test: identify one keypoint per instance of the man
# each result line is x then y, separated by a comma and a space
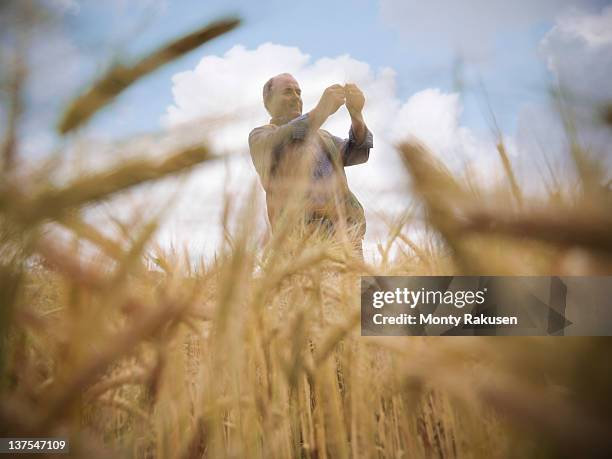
301, 165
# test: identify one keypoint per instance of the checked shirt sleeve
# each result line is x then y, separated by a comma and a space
354, 153
267, 141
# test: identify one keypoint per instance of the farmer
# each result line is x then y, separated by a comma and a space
301, 166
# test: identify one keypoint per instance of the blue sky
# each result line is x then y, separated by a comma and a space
512, 73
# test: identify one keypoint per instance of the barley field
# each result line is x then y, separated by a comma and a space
133, 351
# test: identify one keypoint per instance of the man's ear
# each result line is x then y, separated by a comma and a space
267, 106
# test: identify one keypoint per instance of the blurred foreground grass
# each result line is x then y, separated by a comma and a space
258, 353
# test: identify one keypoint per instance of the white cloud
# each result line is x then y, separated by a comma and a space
231, 85
594, 29
578, 50
433, 116
469, 27
578, 53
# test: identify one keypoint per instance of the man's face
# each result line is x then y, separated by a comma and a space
286, 97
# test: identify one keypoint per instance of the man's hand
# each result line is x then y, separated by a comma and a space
355, 99
332, 99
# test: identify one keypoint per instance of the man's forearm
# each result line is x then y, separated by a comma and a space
317, 117
358, 126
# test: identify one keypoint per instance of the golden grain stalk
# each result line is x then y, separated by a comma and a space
120, 77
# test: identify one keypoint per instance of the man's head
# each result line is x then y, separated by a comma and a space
283, 97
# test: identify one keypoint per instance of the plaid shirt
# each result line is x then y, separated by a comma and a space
278, 148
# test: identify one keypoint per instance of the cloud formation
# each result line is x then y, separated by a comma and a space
230, 86
470, 26
578, 53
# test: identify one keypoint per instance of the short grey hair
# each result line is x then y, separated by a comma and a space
267, 89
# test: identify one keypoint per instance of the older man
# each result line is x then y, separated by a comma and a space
301, 165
